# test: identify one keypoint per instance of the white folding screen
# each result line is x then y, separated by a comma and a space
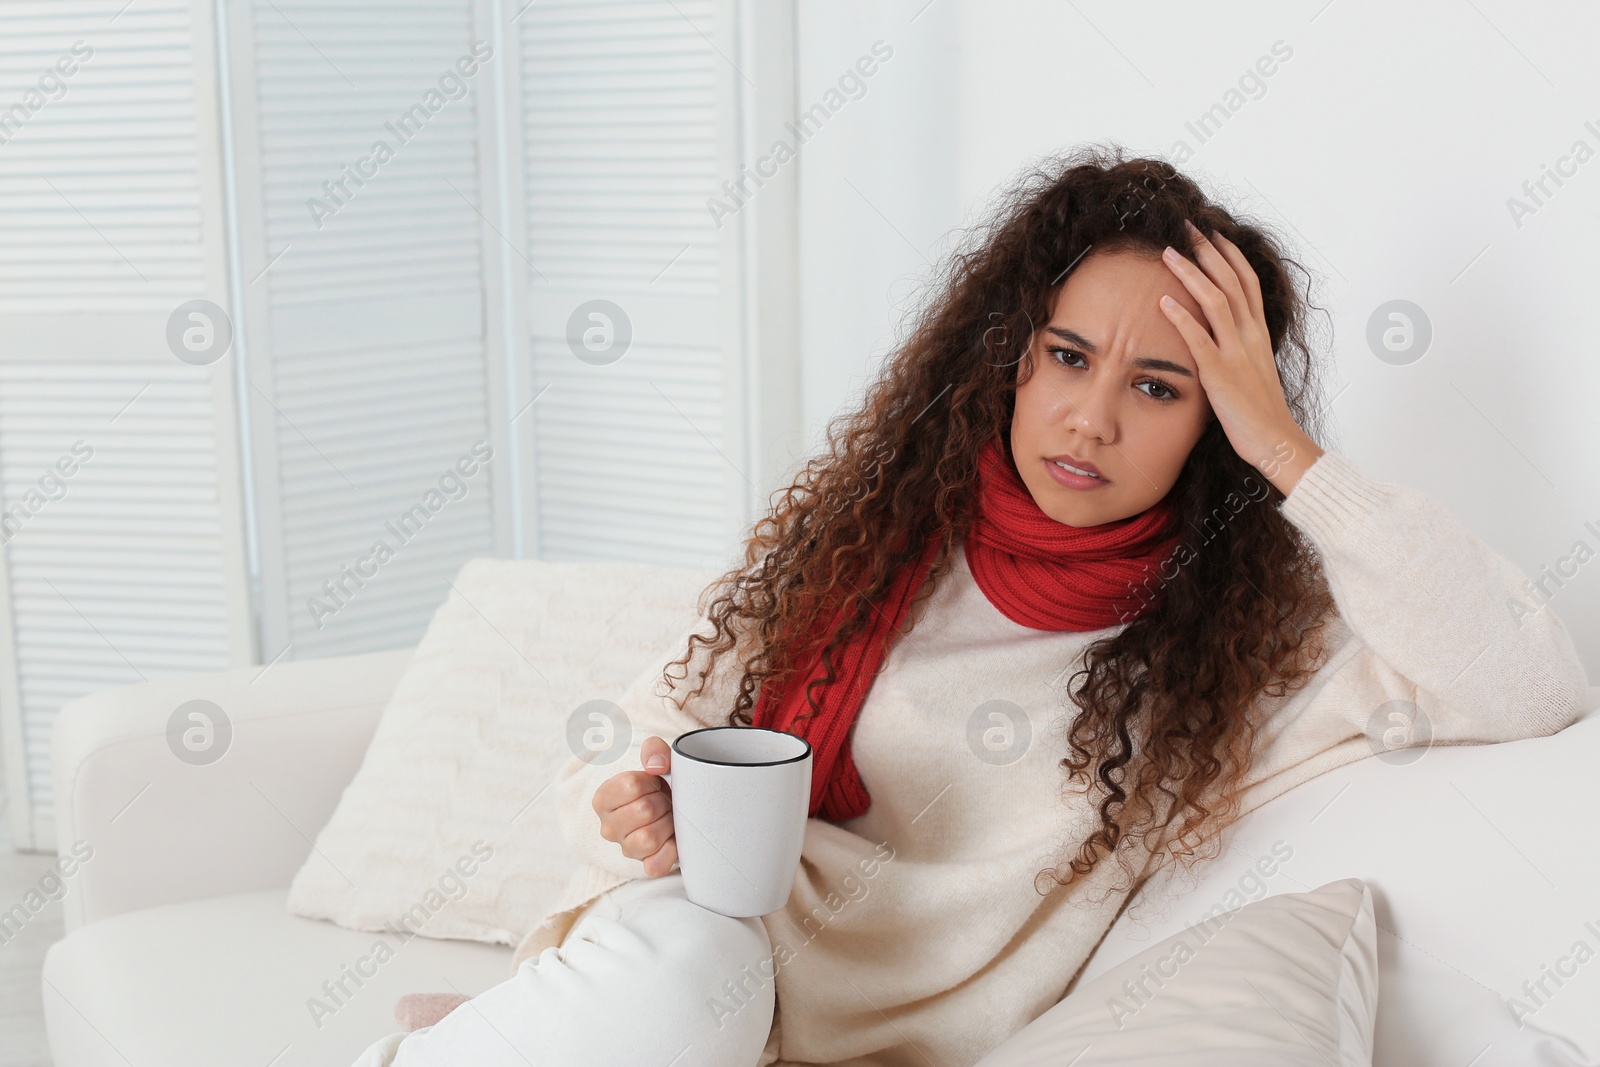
628, 125
378, 465
480, 306
122, 549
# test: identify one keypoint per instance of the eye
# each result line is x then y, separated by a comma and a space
1163, 386
1166, 393
1059, 352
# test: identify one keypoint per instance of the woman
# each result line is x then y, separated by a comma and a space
1080, 524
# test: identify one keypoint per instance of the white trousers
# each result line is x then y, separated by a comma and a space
644, 979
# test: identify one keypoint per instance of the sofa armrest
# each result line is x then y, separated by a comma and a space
146, 827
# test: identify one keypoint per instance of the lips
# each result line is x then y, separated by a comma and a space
1081, 464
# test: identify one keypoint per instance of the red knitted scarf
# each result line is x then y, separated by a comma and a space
1038, 572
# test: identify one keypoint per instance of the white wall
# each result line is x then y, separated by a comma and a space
1385, 148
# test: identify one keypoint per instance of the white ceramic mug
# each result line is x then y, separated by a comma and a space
740, 799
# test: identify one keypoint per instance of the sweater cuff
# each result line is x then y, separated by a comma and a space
1333, 496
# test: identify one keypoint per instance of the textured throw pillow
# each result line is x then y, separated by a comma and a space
1287, 981
445, 829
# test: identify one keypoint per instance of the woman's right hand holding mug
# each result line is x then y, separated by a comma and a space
635, 809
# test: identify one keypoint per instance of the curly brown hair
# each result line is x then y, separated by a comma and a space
1236, 620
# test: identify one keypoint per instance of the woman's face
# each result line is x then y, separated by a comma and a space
1113, 385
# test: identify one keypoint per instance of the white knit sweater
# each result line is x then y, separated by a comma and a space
914, 934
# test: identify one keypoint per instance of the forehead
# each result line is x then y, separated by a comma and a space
1112, 294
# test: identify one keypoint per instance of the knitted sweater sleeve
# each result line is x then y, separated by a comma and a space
1435, 641
611, 747
646, 711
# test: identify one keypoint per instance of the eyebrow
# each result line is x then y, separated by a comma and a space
1143, 362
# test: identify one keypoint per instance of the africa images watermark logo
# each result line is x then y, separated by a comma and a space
50, 87
1251, 85
50, 887
449, 888
1207, 529
851, 85
338, 191
51, 486
1537, 192
1554, 577
1139, 991
739, 992
453, 485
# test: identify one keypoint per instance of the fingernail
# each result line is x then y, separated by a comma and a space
1191, 227
655, 763
1170, 253
1168, 302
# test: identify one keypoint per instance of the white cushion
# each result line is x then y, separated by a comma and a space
1469, 853
1289, 981
231, 980
443, 827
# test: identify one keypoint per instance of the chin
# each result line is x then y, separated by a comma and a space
1076, 521
1058, 505
1084, 517
1068, 516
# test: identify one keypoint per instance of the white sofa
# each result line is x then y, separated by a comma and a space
180, 953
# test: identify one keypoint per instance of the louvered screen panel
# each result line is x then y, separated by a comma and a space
623, 474
115, 570
98, 186
620, 133
374, 332
130, 567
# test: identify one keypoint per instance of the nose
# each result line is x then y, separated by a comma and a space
1091, 409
